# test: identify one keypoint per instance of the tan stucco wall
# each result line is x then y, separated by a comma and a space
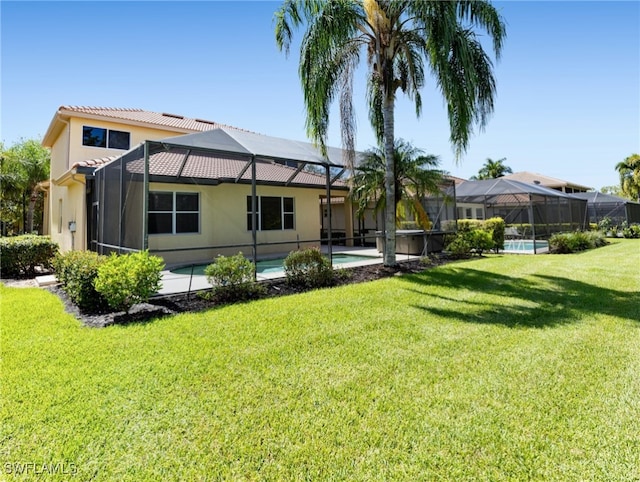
73, 209
78, 152
66, 150
223, 221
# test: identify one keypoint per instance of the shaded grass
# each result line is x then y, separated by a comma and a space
504, 368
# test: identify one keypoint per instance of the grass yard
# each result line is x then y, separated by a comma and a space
500, 369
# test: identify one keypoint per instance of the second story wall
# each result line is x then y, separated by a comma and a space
108, 138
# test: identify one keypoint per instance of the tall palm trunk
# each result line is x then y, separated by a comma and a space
33, 199
389, 257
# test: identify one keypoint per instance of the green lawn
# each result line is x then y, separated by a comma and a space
502, 368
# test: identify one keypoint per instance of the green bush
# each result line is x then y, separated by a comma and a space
76, 271
125, 280
308, 268
20, 255
233, 279
466, 243
563, 243
631, 232
495, 226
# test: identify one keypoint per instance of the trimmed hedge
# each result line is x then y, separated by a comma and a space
466, 241
20, 255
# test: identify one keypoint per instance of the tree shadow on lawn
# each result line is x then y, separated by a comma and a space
548, 300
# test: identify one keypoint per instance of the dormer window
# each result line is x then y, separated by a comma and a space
101, 137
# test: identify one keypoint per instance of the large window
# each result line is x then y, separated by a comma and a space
274, 213
100, 137
174, 212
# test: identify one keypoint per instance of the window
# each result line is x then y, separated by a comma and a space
273, 213
468, 213
479, 213
174, 212
100, 137
59, 216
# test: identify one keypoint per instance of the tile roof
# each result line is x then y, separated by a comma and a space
94, 162
210, 166
535, 178
148, 117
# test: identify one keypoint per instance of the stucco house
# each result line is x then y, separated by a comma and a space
84, 138
186, 189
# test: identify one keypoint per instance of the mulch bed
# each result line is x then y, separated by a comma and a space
193, 302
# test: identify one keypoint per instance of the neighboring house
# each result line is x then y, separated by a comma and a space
83, 138
194, 198
547, 181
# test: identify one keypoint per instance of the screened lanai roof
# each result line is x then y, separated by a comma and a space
599, 197
251, 144
496, 191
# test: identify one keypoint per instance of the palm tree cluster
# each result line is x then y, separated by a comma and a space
22, 167
415, 177
629, 171
402, 40
492, 170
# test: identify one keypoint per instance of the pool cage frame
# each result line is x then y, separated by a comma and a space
535, 211
617, 209
118, 194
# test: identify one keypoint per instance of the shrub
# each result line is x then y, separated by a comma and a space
562, 243
495, 226
233, 279
631, 232
20, 255
125, 280
605, 224
76, 271
308, 268
475, 236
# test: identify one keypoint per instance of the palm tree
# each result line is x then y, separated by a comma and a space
399, 39
492, 169
415, 176
629, 171
26, 165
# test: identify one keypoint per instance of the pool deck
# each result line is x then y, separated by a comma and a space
175, 283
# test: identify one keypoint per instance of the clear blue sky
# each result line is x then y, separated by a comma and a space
568, 102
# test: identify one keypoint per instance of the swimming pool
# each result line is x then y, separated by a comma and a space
525, 246
268, 266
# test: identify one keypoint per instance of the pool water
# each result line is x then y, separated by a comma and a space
275, 265
524, 245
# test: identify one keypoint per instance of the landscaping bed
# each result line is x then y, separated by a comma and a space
195, 301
